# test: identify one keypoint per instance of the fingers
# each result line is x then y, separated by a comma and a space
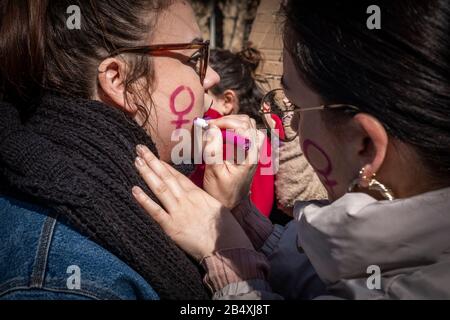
213, 151
241, 124
162, 171
158, 178
151, 207
184, 181
234, 122
257, 139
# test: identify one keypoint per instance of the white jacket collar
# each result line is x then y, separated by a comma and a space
356, 231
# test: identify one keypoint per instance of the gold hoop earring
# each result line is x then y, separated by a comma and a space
372, 184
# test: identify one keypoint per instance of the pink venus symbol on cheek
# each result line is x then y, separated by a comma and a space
324, 172
181, 113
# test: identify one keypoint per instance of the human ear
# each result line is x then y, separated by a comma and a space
111, 84
231, 103
372, 143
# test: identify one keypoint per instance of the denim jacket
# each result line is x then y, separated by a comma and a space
41, 257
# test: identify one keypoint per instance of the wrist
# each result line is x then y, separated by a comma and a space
242, 208
238, 201
257, 227
234, 265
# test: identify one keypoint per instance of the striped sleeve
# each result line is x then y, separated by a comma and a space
232, 266
257, 227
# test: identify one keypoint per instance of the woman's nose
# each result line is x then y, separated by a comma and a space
211, 79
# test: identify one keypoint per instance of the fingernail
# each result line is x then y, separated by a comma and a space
136, 191
139, 162
140, 149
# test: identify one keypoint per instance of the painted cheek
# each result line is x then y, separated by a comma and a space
180, 110
321, 163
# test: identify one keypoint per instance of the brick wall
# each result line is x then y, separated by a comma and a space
234, 20
266, 36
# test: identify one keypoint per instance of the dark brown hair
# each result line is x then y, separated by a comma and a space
39, 52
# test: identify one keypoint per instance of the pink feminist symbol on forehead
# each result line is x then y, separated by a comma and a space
324, 172
181, 113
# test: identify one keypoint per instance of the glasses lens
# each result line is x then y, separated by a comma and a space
277, 113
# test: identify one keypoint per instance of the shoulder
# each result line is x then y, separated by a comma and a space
44, 257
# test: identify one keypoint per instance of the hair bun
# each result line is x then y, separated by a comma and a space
251, 57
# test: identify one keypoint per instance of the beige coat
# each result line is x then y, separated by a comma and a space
296, 179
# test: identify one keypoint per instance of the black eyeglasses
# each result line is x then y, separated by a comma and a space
280, 116
199, 60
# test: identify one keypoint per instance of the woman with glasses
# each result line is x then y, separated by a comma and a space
371, 109
74, 103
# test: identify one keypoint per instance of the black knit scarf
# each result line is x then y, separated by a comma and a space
76, 157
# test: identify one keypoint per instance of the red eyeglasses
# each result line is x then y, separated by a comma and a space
199, 60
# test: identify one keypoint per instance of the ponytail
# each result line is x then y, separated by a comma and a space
22, 39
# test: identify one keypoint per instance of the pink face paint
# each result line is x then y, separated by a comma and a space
227, 136
180, 121
324, 172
